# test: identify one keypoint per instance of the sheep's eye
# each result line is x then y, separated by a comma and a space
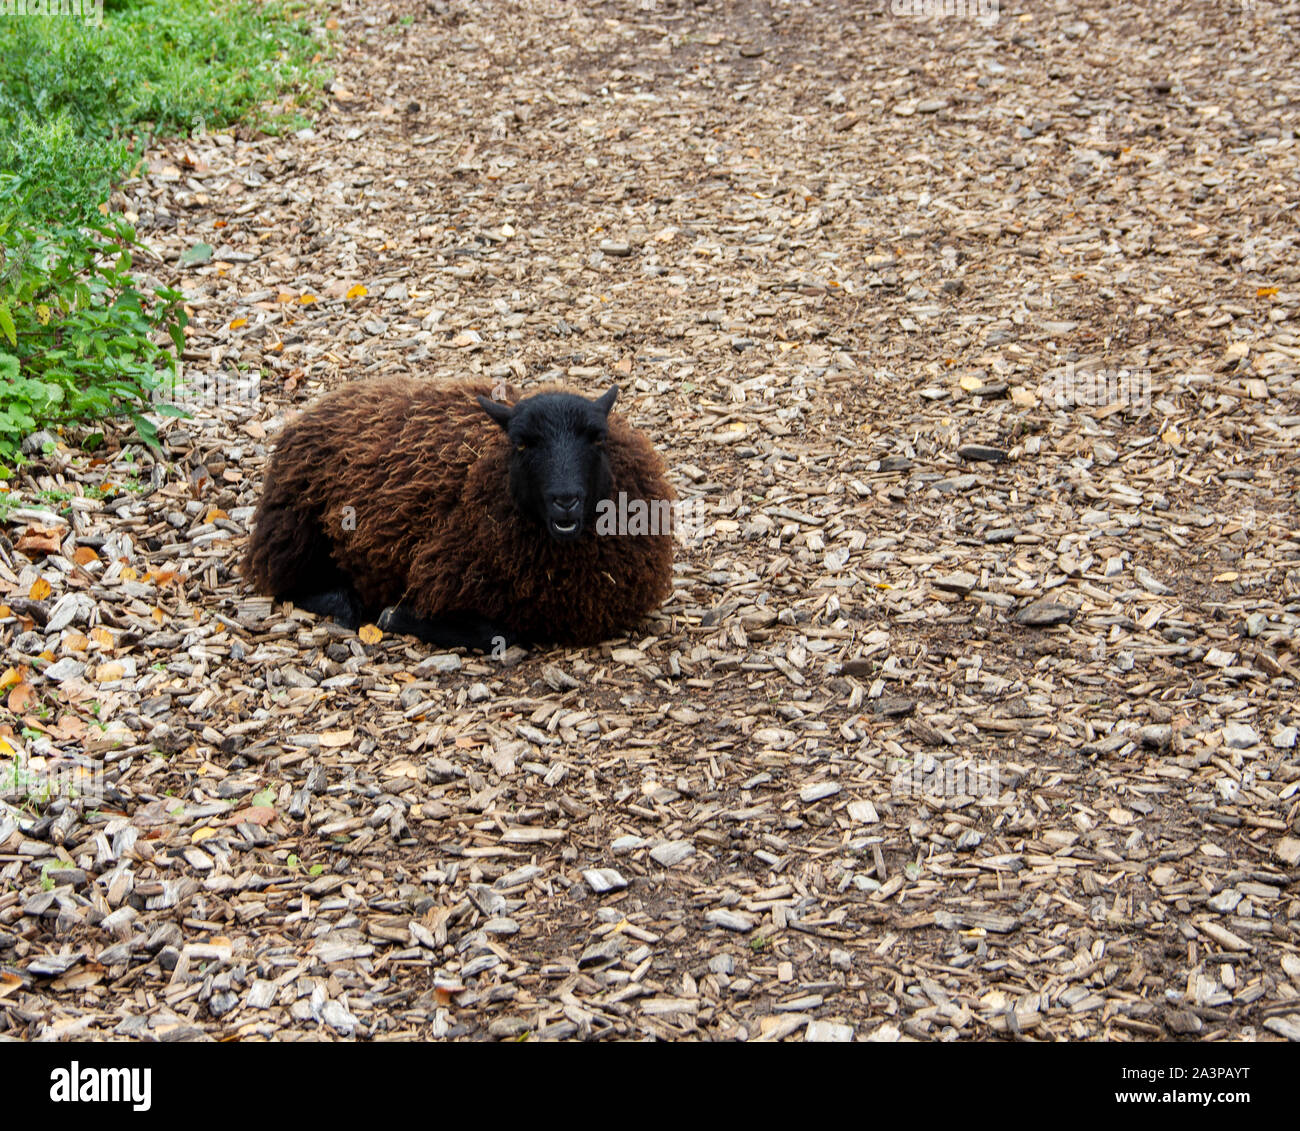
522, 446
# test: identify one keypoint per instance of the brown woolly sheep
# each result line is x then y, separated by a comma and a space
404, 496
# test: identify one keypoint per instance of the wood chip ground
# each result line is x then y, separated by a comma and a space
973, 714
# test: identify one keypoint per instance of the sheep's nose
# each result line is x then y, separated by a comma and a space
566, 504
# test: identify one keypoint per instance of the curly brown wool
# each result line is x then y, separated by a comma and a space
397, 489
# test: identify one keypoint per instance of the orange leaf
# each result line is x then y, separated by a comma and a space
102, 637
38, 540
5, 611
21, 698
1265, 292
357, 292
84, 555
40, 589
307, 300
238, 322
370, 634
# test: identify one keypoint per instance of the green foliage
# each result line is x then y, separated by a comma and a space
80, 338
77, 335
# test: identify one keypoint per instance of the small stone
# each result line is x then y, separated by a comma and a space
602, 880
1045, 613
981, 452
863, 812
65, 669
1158, 736
731, 920
959, 582
1288, 850
1225, 901
1287, 1025
894, 706
722, 964
1255, 624
478, 692
811, 793
828, 1032
672, 852
1238, 736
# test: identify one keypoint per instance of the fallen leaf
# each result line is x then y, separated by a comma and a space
21, 698
370, 634
40, 589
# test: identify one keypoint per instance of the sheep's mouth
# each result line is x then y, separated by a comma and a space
564, 530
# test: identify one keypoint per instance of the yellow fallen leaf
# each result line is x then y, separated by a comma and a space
40, 589
238, 322
202, 834
370, 634
129, 574
102, 637
9, 678
1172, 437
110, 672
76, 642
214, 514
1265, 292
285, 296
306, 300
357, 292
5, 611
971, 383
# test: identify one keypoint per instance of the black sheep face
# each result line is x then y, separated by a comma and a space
559, 471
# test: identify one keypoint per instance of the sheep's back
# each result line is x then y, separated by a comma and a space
382, 464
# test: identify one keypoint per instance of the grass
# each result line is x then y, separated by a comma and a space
81, 338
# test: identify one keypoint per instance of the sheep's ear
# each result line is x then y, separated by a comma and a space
606, 402
499, 412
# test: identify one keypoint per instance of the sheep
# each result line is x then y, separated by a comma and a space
467, 521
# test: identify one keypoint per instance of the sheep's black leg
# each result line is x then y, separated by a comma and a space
342, 604
455, 630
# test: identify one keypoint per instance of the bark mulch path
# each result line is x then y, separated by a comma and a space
973, 714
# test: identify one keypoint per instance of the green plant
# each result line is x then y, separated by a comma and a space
77, 335
81, 338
